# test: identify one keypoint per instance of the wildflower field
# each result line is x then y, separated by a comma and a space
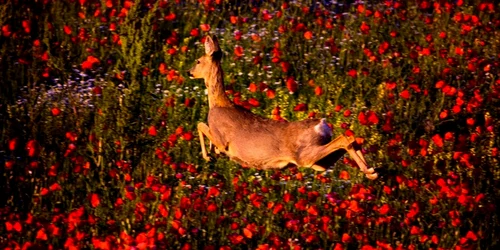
99, 147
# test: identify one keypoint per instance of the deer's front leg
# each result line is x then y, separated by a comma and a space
203, 129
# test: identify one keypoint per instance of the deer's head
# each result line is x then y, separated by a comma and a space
208, 63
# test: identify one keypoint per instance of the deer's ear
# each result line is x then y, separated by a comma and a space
212, 48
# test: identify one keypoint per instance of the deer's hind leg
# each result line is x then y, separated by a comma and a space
345, 143
204, 130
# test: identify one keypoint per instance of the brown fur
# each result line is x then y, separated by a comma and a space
258, 142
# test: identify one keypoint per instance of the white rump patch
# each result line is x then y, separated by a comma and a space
323, 129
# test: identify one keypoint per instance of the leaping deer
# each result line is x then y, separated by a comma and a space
254, 141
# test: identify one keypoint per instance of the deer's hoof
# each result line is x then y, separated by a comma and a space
207, 158
370, 171
372, 176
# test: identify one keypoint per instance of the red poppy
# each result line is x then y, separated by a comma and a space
253, 102
313, 210
213, 192
291, 84
384, 209
55, 111
405, 94
233, 19
152, 130
271, 94
238, 51
415, 230
266, 15
278, 208
17, 227
365, 28
55, 187
352, 73
94, 200
170, 17
33, 148
318, 91
90, 62
285, 66
247, 233
308, 35
252, 87
368, 118
163, 68
6, 30
346, 238
26, 26
41, 235
67, 30
235, 239
435, 239
443, 114
300, 107
438, 140
13, 144
344, 175
188, 136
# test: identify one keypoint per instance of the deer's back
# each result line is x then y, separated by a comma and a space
264, 143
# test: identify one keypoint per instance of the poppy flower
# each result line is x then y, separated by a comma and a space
94, 200
195, 32
271, 94
291, 84
278, 208
384, 209
285, 66
405, 94
300, 107
365, 28
266, 15
55, 111
90, 62
41, 235
17, 227
308, 35
247, 233
67, 30
6, 30
368, 118
253, 102
438, 140
318, 91
346, 238
415, 230
313, 210
352, 73
152, 130
55, 187
13, 144
233, 19
344, 175
33, 148
238, 51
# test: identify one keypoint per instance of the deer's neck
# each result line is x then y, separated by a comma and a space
216, 93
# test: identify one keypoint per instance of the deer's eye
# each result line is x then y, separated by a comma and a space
198, 62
